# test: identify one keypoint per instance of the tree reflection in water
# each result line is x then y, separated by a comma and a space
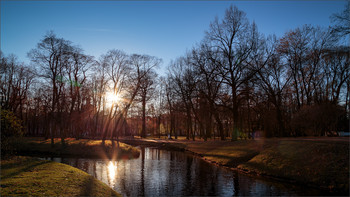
170, 173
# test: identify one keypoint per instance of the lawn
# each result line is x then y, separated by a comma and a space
323, 164
25, 176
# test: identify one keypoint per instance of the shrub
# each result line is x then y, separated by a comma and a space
11, 129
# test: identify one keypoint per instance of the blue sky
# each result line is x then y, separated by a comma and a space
165, 29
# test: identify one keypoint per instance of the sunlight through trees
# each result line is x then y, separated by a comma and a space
236, 83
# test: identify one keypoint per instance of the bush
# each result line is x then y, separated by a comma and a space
317, 119
11, 129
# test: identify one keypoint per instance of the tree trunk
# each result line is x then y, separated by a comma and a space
189, 123
143, 131
234, 133
220, 127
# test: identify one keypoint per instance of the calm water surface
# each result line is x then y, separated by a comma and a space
171, 173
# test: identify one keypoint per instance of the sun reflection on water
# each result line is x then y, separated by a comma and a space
112, 168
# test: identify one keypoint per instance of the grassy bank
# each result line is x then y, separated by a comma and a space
82, 148
24, 176
323, 164
319, 162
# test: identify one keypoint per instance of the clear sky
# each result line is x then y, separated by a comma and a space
165, 29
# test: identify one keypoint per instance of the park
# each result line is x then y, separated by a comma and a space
114, 104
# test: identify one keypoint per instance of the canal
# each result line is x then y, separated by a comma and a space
159, 172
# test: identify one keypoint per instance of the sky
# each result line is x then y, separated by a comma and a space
165, 29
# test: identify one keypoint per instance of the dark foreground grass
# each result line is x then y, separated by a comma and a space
317, 162
75, 148
24, 176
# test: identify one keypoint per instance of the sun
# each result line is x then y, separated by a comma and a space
112, 98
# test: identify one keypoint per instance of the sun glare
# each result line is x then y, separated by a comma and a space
112, 168
112, 98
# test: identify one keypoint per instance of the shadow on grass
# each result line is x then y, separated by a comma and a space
323, 182
234, 161
87, 190
263, 169
20, 170
89, 187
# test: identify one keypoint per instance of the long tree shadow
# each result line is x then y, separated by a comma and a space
89, 184
88, 189
234, 161
21, 170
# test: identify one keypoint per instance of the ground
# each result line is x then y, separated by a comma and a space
25, 176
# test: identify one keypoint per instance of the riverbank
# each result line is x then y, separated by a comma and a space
35, 146
25, 176
316, 162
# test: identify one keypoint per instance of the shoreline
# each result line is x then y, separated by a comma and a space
24, 176
246, 161
86, 148
293, 161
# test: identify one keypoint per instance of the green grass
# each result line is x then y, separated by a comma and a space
23, 176
72, 147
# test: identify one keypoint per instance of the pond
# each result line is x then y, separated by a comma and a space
171, 173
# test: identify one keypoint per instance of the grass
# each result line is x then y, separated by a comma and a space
317, 162
225, 153
24, 176
323, 164
72, 147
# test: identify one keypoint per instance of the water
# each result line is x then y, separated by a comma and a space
171, 173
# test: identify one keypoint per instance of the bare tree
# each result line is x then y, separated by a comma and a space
170, 98
99, 80
15, 83
147, 88
49, 55
236, 40
76, 67
184, 79
160, 104
116, 63
273, 79
209, 85
342, 22
336, 72
141, 66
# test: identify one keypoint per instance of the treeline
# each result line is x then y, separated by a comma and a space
235, 83
66, 93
